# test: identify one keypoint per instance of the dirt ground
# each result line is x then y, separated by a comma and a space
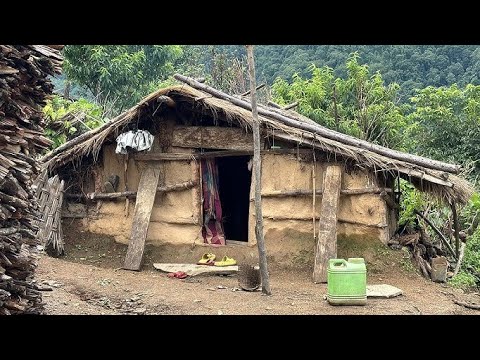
89, 280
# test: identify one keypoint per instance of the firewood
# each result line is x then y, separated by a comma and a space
24, 86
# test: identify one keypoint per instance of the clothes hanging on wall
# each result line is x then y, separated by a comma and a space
138, 140
212, 230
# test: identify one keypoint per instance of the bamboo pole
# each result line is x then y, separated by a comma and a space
93, 196
303, 192
258, 176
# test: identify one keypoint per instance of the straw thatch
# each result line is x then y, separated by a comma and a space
441, 184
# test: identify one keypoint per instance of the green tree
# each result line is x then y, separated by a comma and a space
67, 119
360, 104
117, 76
447, 124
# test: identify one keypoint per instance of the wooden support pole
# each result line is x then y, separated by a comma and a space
258, 176
327, 232
457, 229
127, 200
141, 217
314, 197
389, 200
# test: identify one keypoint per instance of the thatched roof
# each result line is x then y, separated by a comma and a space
442, 184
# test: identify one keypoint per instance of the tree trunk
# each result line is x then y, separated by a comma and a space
258, 176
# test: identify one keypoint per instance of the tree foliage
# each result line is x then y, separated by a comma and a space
67, 119
360, 104
411, 66
118, 76
447, 124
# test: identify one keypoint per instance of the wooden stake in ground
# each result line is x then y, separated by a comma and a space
262, 255
327, 228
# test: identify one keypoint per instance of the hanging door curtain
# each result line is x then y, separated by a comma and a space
212, 230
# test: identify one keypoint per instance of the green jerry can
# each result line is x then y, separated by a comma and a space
347, 282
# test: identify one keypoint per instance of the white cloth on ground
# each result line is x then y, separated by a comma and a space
138, 140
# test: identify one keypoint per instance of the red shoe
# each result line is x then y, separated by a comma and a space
178, 275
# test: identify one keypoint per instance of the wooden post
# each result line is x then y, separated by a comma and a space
327, 228
258, 176
127, 200
457, 229
314, 196
147, 188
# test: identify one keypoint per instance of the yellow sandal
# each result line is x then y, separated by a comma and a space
207, 259
226, 261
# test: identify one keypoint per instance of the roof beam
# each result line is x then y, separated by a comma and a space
322, 131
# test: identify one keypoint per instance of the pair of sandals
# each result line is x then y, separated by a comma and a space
209, 259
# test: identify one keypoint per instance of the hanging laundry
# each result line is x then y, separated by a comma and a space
138, 140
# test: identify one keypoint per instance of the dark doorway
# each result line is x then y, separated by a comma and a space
234, 187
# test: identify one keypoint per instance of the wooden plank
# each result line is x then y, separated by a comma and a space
188, 157
212, 137
163, 157
327, 233
147, 189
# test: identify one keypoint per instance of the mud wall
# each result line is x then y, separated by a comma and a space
176, 216
362, 217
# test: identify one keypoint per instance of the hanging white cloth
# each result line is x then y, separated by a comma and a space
138, 140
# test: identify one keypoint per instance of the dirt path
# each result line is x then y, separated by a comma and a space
90, 289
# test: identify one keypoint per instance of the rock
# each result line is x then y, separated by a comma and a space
76, 304
221, 287
197, 301
220, 312
82, 258
211, 289
140, 311
383, 291
268, 308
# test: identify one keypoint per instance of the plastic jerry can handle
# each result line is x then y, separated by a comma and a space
339, 262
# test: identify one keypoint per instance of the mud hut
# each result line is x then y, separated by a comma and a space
194, 185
